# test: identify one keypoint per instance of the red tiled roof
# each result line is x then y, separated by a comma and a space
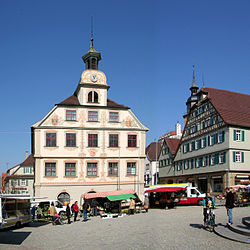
172, 144
73, 100
113, 104
28, 162
233, 107
153, 151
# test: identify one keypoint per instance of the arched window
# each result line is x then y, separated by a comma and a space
63, 197
93, 97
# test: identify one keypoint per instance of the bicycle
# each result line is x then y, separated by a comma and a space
210, 223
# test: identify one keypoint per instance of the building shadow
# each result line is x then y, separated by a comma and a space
13, 238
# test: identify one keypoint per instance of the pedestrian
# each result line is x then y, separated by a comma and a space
39, 212
86, 208
94, 205
68, 213
33, 212
229, 205
132, 206
76, 210
52, 211
207, 202
146, 203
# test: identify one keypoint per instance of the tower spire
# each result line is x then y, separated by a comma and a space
194, 83
92, 57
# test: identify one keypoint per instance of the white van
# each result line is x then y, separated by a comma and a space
14, 210
45, 204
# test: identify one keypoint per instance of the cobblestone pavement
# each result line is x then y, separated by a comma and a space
180, 228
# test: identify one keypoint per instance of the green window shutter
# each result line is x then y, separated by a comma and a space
188, 147
216, 158
199, 143
242, 156
206, 160
234, 134
243, 135
216, 138
192, 163
183, 149
187, 164
208, 140
205, 142
209, 162
195, 162
203, 124
233, 156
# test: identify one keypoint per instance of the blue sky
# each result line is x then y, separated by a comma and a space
148, 49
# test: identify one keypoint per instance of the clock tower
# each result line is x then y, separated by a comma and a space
92, 87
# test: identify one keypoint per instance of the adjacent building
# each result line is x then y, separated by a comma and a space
151, 174
20, 178
88, 143
214, 151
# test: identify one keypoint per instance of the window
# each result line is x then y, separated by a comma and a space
70, 169
92, 169
70, 115
222, 158
113, 168
23, 182
113, 116
63, 197
221, 136
92, 140
50, 139
92, 116
239, 135
93, 97
27, 170
193, 145
204, 142
132, 141
14, 183
213, 160
237, 157
131, 168
70, 139
50, 169
113, 140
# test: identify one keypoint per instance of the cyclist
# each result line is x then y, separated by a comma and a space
208, 202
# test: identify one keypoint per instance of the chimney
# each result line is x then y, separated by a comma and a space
27, 154
178, 129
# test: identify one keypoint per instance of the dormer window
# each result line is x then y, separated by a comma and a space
92, 97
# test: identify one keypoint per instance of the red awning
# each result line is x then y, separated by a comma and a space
105, 194
165, 189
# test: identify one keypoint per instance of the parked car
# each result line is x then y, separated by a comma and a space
45, 204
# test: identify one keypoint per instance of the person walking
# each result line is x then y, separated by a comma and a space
132, 206
68, 213
94, 205
229, 205
86, 208
207, 202
33, 212
39, 212
52, 211
146, 203
76, 210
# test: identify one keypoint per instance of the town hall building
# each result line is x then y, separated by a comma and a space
88, 143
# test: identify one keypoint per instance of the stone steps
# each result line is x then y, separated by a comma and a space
237, 232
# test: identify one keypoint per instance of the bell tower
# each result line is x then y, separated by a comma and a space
92, 57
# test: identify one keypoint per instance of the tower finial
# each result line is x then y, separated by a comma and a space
193, 77
92, 38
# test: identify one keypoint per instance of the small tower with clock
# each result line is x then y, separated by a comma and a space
92, 87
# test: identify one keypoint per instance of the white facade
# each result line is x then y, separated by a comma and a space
88, 143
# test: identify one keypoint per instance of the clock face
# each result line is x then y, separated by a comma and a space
94, 78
